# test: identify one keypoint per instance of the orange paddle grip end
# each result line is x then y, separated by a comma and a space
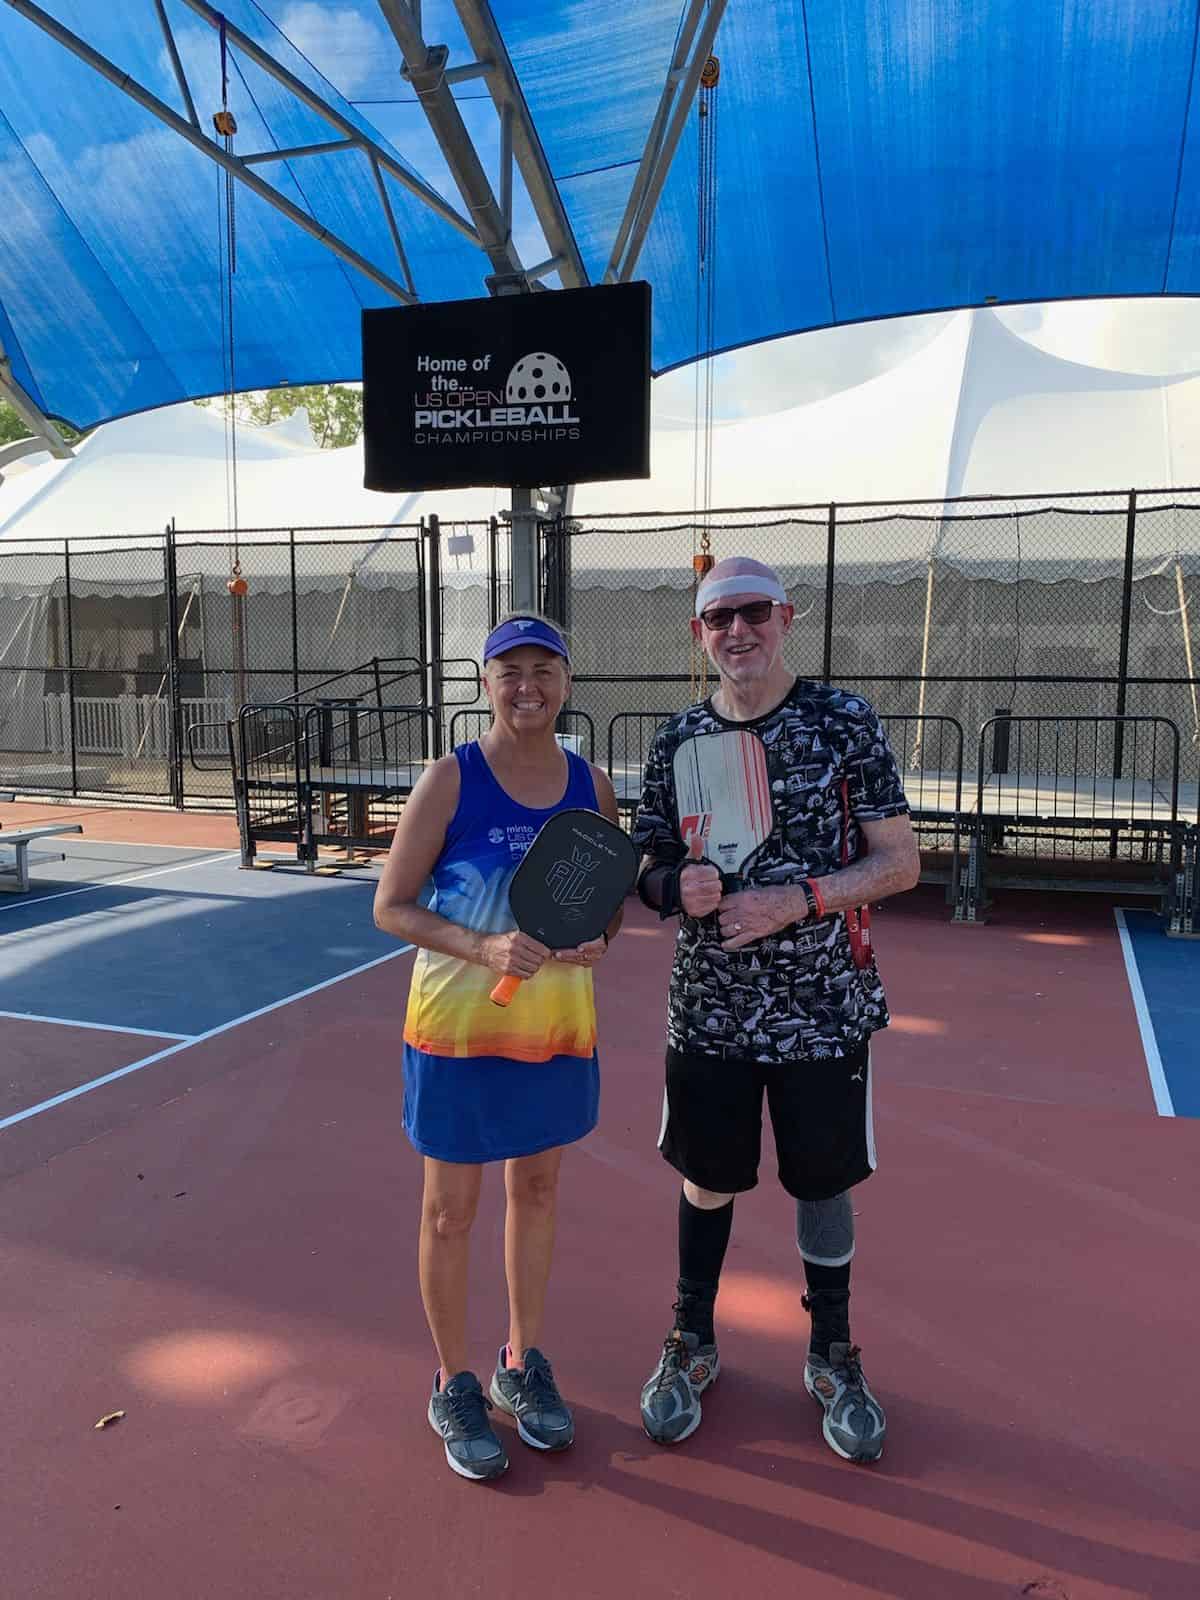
505, 989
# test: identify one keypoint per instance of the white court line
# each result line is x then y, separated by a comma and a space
136, 844
100, 1027
1158, 1078
199, 1038
22, 903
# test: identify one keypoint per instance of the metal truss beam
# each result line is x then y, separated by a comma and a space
19, 447
44, 434
487, 42
262, 58
425, 66
176, 63
692, 50
240, 169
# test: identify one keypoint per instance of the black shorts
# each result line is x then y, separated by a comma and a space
820, 1114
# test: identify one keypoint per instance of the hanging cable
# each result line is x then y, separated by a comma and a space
225, 125
706, 305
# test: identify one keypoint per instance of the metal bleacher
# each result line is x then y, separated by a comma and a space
1083, 803
325, 767
1087, 803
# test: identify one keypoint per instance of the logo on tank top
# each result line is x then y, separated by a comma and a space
495, 835
520, 836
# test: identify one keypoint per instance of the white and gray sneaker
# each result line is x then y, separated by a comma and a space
531, 1397
854, 1425
458, 1415
671, 1396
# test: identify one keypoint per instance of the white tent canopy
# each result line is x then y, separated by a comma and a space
978, 410
136, 475
975, 410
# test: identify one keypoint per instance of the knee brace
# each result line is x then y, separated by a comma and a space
825, 1230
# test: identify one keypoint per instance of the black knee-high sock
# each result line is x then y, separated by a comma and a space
703, 1237
828, 1303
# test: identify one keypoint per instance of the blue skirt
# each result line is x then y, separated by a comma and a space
490, 1108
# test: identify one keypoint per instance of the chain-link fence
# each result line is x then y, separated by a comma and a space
110, 650
1069, 606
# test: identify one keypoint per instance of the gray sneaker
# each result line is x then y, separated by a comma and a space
458, 1415
854, 1425
671, 1397
542, 1415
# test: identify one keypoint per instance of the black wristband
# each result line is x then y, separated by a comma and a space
810, 900
658, 889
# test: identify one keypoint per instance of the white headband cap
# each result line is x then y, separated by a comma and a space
742, 583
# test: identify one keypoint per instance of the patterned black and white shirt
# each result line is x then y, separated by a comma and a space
796, 994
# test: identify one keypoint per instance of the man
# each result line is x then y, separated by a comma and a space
766, 996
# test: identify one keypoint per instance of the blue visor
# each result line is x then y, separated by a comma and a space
523, 630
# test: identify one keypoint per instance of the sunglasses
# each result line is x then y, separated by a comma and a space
756, 612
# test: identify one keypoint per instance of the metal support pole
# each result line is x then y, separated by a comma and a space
660, 151
523, 562
557, 571
295, 616
830, 554
1126, 613
493, 573
422, 619
45, 435
436, 690
70, 652
174, 699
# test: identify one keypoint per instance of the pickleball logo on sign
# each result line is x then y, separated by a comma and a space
537, 378
568, 885
458, 401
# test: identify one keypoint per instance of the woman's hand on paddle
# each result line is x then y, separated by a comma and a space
512, 954
699, 882
583, 955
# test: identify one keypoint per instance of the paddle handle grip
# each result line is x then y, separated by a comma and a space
505, 989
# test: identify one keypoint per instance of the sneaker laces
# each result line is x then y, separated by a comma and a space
850, 1368
538, 1383
674, 1359
469, 1408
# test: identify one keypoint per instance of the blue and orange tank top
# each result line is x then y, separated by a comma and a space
449, 1010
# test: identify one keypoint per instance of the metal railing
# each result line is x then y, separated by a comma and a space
576, 729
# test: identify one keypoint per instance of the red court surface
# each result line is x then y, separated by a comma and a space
223, 1246
117, 825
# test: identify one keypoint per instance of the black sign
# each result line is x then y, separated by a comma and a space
524, 389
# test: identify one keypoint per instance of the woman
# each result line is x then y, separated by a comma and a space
483, 1083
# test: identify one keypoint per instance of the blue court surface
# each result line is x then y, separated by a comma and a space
1164, 975
176, 946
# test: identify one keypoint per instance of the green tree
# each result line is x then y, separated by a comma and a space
13, 428
334, 411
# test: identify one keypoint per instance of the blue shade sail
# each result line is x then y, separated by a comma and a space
875, 158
